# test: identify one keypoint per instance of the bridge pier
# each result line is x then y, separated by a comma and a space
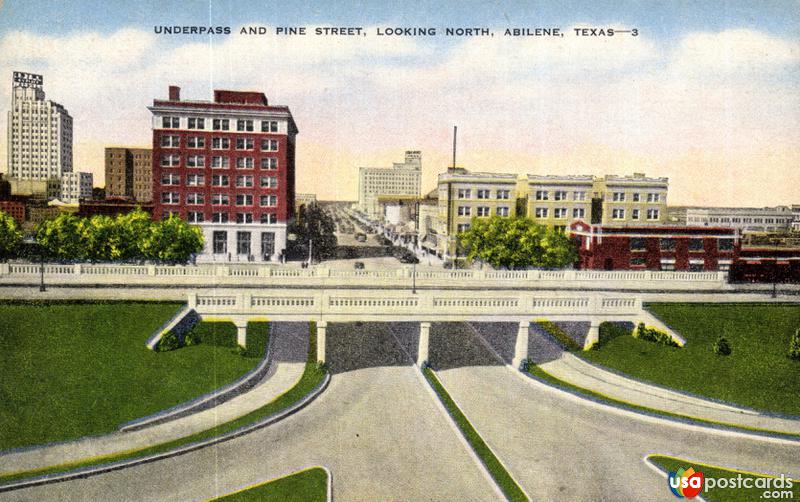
593, 336
241, 332
521, 346
322, 327
424, 338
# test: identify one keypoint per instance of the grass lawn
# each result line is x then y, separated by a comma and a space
71, 370
758, 374
729, 494
310, 485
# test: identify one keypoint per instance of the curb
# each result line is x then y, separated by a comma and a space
662, 472
123, 464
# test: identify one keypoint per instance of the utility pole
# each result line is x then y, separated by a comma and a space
310, 248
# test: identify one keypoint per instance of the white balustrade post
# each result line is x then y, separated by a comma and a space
241, 332
322, 327
593, 336
5, 269
424, 341
521, 346
77, 269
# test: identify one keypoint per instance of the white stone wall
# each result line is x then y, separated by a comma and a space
232, 230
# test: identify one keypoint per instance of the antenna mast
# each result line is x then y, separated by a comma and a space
455, 135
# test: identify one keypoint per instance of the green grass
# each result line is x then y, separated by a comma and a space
77, 369
758, 374
501, 476
312, 377
310, 485
716, 494
560, 335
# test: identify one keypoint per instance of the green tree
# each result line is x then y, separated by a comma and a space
171, 240
794, 345
101, 238
62, 237
132, 228
517, 243
313, 223
10, 235
722, 347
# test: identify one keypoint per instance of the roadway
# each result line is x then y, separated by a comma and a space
384, 437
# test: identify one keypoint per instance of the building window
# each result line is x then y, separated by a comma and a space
269, 163
244, 163
244, 199
618, 214
541, 212
667, 244
560, 212
269, 182
220, 239
221, 124
170, 198
542, 195
244, 217
268, 200
269, 218
267, 244
220, 162
244, 125
244, 143
638, 244
170, 141
695, 244
464, 210
483, 194
636, 197
219, 180
170, 122
462, 227
559, 195
578, 195
220, 199
269, 126
464, 193
635, 214
653, 197
219, 218
195, 180
652, 214
618, 196
638, 261
196, 161
196, 123
578, 212
269, 145
170, 160
195, 199
194, 217
170, 179
503, 194
244, 181
483, 211
195, 142
726, 244
502, 211
220, 143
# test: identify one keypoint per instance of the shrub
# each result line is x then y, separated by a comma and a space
794, 345
169, 341
654, 335
559, 334
722, 347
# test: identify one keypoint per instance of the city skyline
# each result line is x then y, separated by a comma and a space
708, 99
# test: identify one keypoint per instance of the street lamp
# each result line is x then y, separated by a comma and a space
31, 241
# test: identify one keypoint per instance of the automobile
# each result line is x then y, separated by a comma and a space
361, 237
359, 265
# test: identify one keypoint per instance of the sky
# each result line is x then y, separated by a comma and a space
707, 94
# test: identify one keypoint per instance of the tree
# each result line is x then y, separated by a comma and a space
722, 347
132, 227
517, 243
794, 345
171, 240
10, 235
313, 224
101, 238
62, 237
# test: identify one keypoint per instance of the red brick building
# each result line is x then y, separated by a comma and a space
112, 206
14, 208
603, 247
767, 264
229, 167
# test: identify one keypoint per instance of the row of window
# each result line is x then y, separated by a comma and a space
635, 197
670, 243
199, 123
219, 199
619, 214
199, 217
482, 211
199, 142
559, 195
219, 241
693, 267
560, 212
466, 193
219, 180
739, 220
218, 162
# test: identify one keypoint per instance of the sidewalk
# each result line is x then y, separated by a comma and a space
576, 371
290, 345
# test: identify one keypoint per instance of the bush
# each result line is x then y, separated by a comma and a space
611, 330
794, 346
169, 341
722, 347
654, 335
559, 334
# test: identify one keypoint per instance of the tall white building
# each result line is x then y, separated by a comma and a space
403, 178
76, 186
746, 219
39, 132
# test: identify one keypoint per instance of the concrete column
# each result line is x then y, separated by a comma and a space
594, 334
521, 347
424, 338
322, 327
241, 333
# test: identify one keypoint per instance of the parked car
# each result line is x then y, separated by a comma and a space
359, 265
361, 237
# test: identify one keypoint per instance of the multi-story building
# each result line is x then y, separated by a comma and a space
557, 200
39, 132
629, 200
76, 186
129, 173
400, 179
49, 188
14, 208
796, 217
227, 165
112, 206
744, 219
606, 247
